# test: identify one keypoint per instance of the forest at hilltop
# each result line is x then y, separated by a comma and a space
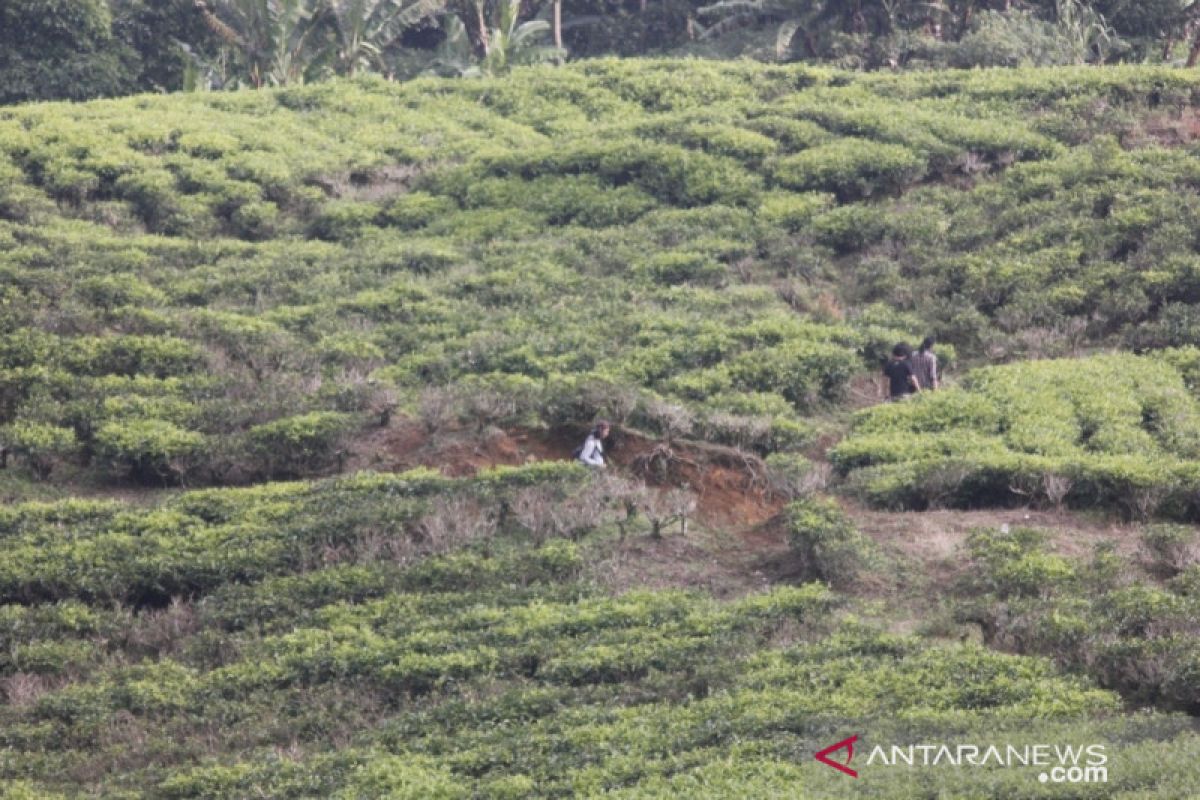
82, 49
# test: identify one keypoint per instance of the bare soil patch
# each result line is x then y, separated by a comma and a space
1172, 129
728, 484
738, 542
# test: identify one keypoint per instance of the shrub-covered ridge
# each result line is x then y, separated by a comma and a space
1113, 430
214, 288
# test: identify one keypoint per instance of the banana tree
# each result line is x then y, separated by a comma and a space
502, 42
273, 42
365, 29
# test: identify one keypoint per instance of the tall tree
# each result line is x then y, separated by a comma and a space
61, 50
161, 32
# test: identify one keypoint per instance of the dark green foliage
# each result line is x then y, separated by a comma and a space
1136, 637
155, 29
298, 445
60, 49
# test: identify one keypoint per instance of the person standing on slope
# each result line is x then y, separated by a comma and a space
900, 381
591, 454
925, 365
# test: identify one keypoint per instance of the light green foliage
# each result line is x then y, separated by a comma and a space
298, 444
403, 778
499, 671
850, 168
612, 223
790, 210
214, 287
207, 538
1116, 430
830, 548
149, 448
39, 445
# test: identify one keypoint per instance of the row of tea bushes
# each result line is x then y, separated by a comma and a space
198, 541
1118, 431
1131, 633
218, 289
408, 634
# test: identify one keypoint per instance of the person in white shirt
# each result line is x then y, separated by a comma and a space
592, 452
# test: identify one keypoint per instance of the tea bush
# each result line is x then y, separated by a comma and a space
300, 444
1050, 431
498, 669
208, 288
40, 446
1133, 636
850, 168
829, 546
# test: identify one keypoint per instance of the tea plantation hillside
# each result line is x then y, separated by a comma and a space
216, 288
367, 637
1115, 431
213, 307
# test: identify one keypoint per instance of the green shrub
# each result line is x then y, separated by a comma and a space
667, 172
1012, 40
805, 373
343, 220
257, 219
1051, 431
153, 195
847, 229
299, 444
677, 267
403, 778
1015, 564
158, 356
1173, 548
793, 476
150, 450
416, 210
828, 544
38, 444
792, 211
850, 168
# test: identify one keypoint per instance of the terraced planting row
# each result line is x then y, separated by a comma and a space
496, 668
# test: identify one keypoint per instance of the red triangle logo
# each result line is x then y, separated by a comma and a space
840, 766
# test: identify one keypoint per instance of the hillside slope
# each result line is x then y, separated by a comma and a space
214, 288
216, 310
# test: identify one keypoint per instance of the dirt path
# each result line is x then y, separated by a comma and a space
738, 540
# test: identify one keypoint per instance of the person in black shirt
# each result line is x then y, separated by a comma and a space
901, 381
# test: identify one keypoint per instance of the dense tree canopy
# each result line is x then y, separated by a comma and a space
93, 48
60, 49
